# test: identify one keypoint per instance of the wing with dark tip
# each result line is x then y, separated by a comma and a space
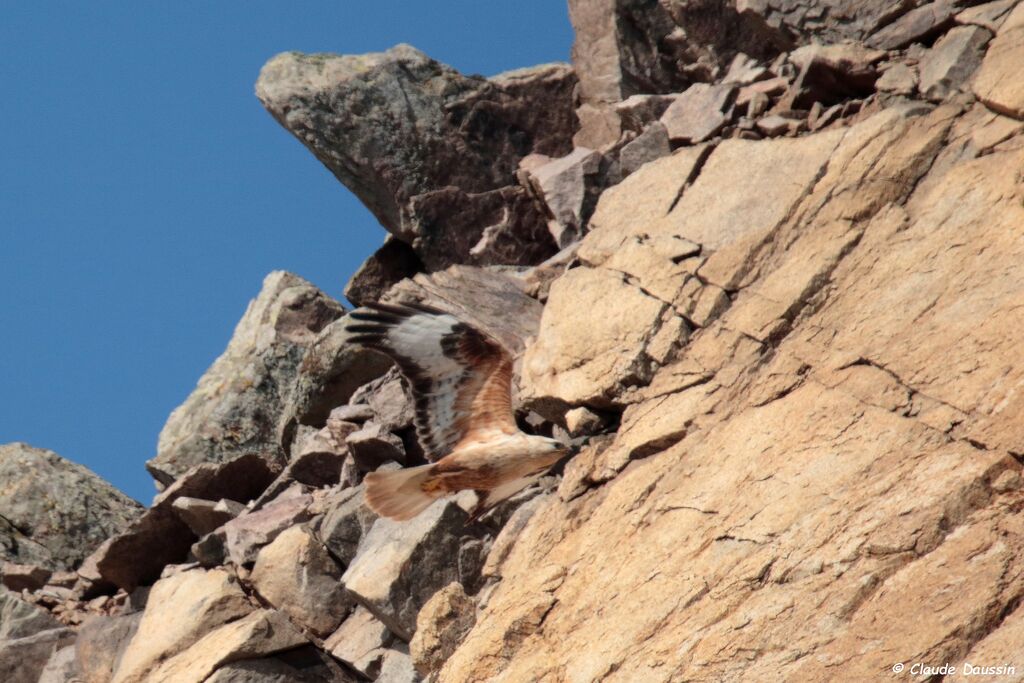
460, 379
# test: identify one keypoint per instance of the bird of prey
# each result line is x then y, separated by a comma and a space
460, 381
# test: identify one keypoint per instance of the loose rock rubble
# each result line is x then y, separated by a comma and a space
759, 261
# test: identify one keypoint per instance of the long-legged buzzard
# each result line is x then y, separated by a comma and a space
460, 380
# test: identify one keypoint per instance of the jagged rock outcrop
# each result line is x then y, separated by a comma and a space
431, 152
237, 403
53, 512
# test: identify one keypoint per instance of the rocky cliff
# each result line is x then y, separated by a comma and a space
763, 255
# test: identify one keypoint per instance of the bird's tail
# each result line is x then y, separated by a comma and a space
400, 494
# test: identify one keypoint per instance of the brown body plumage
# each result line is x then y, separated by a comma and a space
460, 380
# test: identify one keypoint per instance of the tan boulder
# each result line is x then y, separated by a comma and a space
297, 576
261, 633
998, 83
361, 642
442, 624
181, 610
592, 338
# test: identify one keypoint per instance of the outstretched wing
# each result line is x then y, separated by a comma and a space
460, 378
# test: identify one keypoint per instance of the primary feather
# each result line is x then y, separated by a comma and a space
459, 378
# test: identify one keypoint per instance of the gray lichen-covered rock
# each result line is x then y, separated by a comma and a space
328, 375
431, 152
23, 660
19, 619
54, 512
61, 668
237, 404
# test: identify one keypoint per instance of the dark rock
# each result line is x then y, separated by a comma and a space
372, 446
952, 61
502, 226
393, 262
209, 550
346, 520
18, 577
826, 21
652, 144
638, 111
699, 113
917, 25
420, 143
399, 565
246, 534
387, 398
491, 301
22, 660
831, 74
159, 537
314, 666
54, 512
318, 468
626, 47
203, 516
318, 460
988, 16
550, 88
301, 665
267, 670
238, 402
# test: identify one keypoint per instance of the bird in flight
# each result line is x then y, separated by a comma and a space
460, 381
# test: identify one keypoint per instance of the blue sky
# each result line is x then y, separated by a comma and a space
145, 193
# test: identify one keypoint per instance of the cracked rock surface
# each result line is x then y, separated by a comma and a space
782, 331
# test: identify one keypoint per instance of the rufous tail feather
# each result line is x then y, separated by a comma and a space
400, 494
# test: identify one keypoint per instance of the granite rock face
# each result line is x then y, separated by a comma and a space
869, 426
54, 512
